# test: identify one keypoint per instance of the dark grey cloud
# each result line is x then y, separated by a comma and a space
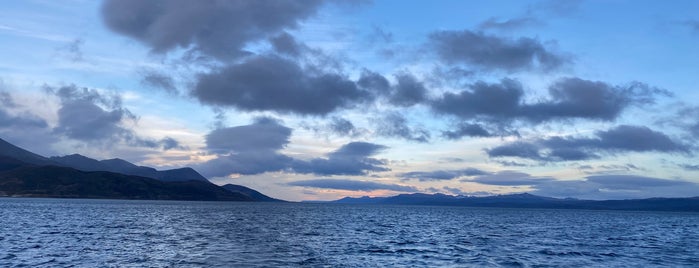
88, 115
272, 83
335, 125
489, 52
265, 134
91, 116
21, 120
500, 101
569, 98
23, 128
578, 98
159, 80
353, 158
628, 182
509, 178
466, 130
219, 29
286, 44
374, 82
408, 91
617, 187
254, 149
396, 125
620, 139
493, 23
169, 143
442, 174
516, 149
352, 185
343, 127
248, 149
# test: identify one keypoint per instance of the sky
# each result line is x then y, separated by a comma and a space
317, 100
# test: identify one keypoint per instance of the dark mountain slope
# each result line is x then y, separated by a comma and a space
117, 165
9, 150
255, 195
53, 181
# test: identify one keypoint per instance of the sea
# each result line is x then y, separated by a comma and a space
125, 233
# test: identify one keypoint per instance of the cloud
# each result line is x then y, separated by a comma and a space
286, 44
516, 149
620, 139
218, 29
408, 91
265, 134
352, 185
257, 83
90, 116
497, 101
159, 80
22, 127
247, 149
493, 23
396, 125
254, 149
569, 98
617, 187
374, 82
22, 120
466, 130
343, 127
350, 159
490, 52
509, 178
442, 174
575, 97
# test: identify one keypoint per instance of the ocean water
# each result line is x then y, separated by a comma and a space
118, 233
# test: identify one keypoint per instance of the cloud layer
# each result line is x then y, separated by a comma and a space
620, 139
218, 29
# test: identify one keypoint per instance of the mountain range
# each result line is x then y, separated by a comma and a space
26, 174
23, 173
526, 200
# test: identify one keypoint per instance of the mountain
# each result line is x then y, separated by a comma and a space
526, 200
117, 165
23, 173
255, 195
9, 150
64, 182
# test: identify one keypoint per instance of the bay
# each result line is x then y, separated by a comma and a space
126, 233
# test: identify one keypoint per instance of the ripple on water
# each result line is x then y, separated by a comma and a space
88, 233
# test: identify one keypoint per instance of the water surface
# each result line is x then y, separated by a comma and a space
119, 233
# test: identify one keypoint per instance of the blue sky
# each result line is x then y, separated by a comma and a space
323, 99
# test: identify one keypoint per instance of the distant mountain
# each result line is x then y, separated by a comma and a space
23, 173
117, 165
526, 200
255, 195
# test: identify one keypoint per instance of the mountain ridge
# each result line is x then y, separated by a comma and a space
23, 173
527, 200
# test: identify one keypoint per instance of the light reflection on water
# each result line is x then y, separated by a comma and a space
118, 233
